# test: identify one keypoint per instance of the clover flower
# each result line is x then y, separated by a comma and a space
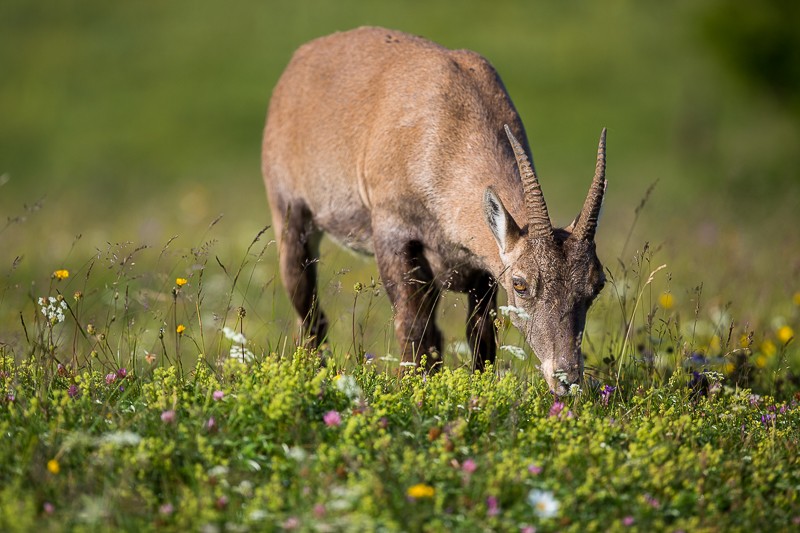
111, 378
73, 391
534, 469
420, 490
556, 409
332, 418
168, 416
492, 506
218, 395
469, 466
543, 502
53, 309
628, 521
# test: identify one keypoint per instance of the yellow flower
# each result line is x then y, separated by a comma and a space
714, 344
785, 334
761, 361
61, 274
666, 300
796, 298
180, 329
729, 368
53, 467
745, 341
180, 282
768, 348
420, 490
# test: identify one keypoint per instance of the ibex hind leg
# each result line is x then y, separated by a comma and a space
408, 279
298, 241
482, 296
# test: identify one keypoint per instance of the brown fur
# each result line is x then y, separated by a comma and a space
388, 143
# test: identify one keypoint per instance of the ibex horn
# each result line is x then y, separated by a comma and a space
587, 220
538, 219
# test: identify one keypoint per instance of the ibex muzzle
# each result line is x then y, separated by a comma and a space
398, 147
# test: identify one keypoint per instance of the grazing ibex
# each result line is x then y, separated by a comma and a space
398, 147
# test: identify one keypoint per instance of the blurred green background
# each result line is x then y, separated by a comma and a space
137, 121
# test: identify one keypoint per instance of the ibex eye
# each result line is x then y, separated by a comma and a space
520, 285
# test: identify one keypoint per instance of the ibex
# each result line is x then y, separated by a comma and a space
398, 147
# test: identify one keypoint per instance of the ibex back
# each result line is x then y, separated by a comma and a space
396, 146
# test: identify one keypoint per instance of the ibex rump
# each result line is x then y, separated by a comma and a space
395, 146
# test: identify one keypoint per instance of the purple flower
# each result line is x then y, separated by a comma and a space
469, 466
111, 378
211, 424
605, 393
218, 395
492, 507
332, 418
652, 502
122, 373
628, 521
48, 508
73, 391
534, 469
767, 419
556, 409
168, 416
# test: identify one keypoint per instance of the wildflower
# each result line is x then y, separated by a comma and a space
53, 309
122, 373
319, 510
77, 296
492, 507
291, 523
180, 329
768, 348
332, 418
768, 419
420, 490
166, 509
348, 386
543, 502
761, 361
53, 467
48, 508
211, 425
527, 529
469, 466
796, 298
556, 409
73, 392
628, 521
652, 502
506, 310
150, 358
218, 395
110, 378
180, 282
666, 300
534, 469
516, 351
234, 335
61, 274
574, 389
241, 354
222, 502
785, 334
605, 393
168, 416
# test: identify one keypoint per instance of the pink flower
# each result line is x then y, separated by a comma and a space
218, 395
73, 391
168, 417
48, 508
291, 523
122, 373
319, 510
534, 469
527, 529
211, 424
628, 521
166, 509
556, 409
332, 418
469, 466
111, 378
492, 507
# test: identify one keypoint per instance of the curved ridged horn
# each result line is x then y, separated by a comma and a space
538, 219
587, 220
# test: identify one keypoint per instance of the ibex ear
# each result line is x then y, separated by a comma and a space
503, 227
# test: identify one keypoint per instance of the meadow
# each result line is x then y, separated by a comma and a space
152, 375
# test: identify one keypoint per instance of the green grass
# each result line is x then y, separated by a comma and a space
129, 155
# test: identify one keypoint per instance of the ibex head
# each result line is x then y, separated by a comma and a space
551, 275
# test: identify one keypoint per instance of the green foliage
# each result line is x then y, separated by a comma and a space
252, 445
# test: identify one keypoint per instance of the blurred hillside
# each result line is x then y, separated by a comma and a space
141, 120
